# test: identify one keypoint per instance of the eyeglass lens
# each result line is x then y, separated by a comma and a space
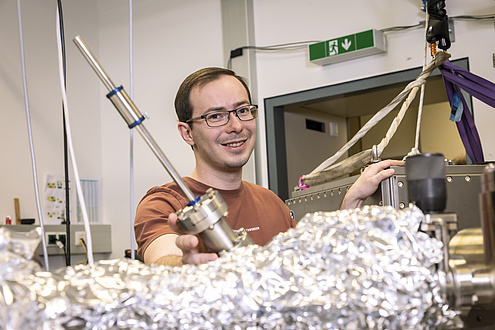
222, 117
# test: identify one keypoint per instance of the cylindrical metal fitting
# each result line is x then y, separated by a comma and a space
426, 182
472, 253
483, 282
219, 236
206, 219
203, 214
126, 107
467, 245
487, 208
463, 292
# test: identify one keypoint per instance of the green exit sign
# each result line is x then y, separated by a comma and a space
348, 47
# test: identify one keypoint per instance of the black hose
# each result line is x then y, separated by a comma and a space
66, 157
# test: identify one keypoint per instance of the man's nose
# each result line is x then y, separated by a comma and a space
234, 122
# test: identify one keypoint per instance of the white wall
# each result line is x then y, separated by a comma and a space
303, 154
438, 133
171, 40
45, 100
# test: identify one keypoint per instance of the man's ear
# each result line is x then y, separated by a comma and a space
186, 133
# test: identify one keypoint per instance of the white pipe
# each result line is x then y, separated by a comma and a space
31, 143
131, 160
87, 229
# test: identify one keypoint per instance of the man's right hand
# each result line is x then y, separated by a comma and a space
368, 183
189, 244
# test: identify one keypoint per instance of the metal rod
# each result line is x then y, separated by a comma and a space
132, 116
165, 162
94, 63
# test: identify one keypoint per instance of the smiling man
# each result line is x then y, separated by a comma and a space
217, 119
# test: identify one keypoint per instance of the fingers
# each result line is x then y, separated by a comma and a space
187, 242
380, 166
172, 221
368, 182
392, 162
380, 171
382, 175
190, 252
198, 258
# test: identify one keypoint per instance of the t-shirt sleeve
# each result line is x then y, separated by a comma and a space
283, 210
286, 212
152, 213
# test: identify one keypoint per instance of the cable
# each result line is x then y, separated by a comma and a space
286, 46
83, 244
131, 132
403, 27
61, 243
304, 44
473, 18
453, 18
66, 158
71, 149
30, 134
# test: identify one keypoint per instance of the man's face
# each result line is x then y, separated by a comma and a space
228, 147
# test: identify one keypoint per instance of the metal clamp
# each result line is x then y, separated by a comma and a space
375, 157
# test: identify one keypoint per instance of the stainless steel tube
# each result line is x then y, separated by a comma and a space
165, 162
205, 216
131, 115
94, 63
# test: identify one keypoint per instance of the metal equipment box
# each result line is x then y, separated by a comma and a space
463, 188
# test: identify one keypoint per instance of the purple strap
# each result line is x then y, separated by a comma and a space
466, 127
456, 78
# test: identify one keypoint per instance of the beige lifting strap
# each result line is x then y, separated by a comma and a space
326, 171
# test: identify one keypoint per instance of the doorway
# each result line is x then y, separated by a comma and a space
312, 125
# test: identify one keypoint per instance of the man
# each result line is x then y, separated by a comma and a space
217, 120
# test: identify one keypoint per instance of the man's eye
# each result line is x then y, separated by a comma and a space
215, 116
243, 111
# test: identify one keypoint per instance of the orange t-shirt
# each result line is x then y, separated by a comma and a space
256, 209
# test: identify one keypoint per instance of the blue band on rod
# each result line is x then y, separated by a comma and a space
191, 203
137, 122
115, 91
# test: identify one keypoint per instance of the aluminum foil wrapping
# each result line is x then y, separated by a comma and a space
367, 268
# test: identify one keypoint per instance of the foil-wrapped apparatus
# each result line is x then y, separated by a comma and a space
363, 268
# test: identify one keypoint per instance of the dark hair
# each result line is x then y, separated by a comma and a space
200, 78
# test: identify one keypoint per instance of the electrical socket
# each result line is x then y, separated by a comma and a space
53, 237
78, 235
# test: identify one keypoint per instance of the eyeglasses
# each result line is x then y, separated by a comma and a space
220, 118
